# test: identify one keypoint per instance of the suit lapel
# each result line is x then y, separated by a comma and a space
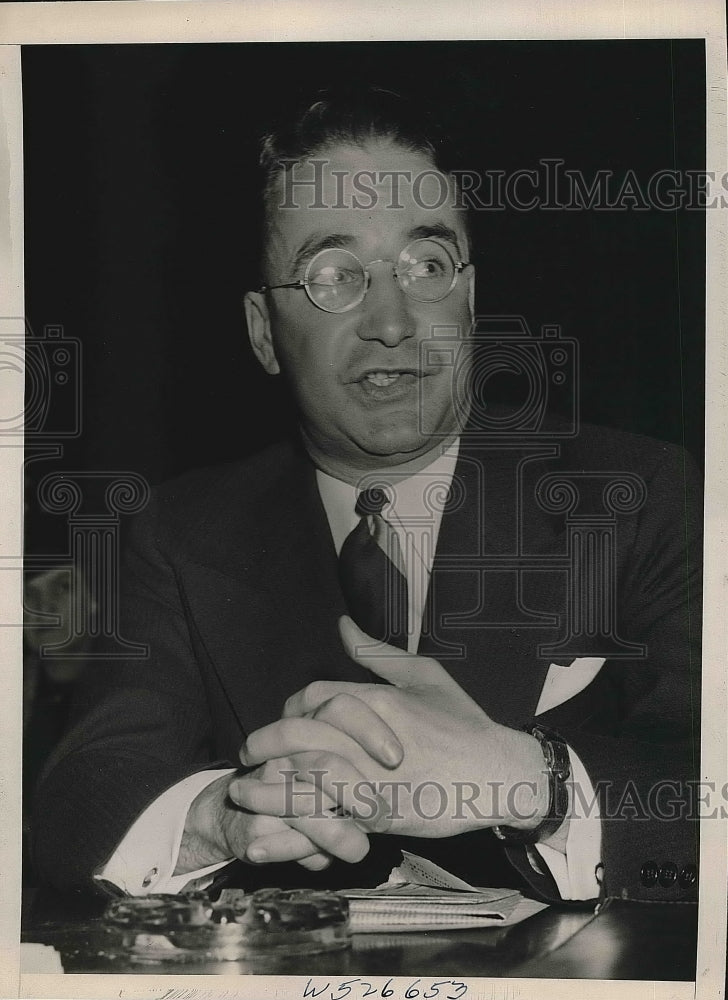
477, 622
267, 613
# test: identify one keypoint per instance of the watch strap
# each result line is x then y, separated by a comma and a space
556, 758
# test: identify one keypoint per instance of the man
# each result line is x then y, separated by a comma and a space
244, 582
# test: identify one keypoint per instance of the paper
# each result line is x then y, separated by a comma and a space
420, 895
39, 958
424, 872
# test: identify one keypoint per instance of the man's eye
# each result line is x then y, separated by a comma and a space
334, 276
431, 268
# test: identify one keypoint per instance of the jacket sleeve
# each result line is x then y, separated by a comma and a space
139, 725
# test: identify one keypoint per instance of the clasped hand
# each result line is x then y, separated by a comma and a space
416, 756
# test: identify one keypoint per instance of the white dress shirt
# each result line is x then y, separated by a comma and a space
146, 857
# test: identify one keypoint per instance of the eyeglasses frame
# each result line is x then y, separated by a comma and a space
459, 267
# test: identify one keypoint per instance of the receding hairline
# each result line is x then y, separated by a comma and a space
274, 170
324, 150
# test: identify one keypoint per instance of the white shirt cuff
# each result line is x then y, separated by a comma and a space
575, 871
145, 859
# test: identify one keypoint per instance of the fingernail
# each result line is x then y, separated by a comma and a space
257, 853
383, 819
242, 756
392, 753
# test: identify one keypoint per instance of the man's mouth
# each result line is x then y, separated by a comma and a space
380, 385
383, 378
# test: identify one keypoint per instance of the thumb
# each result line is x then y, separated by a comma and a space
400, 668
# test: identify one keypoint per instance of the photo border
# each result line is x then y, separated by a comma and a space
194, 22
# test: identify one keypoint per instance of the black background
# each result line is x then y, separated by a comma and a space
141, 239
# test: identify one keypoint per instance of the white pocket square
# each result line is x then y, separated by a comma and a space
563, 683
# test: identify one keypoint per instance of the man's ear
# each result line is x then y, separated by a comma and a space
259, 331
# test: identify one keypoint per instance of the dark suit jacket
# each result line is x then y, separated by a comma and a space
230, 578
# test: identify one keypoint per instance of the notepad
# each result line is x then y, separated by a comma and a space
420, 895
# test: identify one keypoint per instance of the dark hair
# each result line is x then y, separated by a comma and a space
355, 115
352, 115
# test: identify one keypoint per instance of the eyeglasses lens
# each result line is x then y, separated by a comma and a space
336, 280
425, 270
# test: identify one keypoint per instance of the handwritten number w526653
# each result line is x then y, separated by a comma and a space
358, 989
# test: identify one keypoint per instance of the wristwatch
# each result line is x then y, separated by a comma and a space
556, 756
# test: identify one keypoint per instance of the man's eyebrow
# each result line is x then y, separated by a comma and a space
316, 242
437, 229
336, 241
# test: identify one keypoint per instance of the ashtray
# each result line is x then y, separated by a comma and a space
163, 928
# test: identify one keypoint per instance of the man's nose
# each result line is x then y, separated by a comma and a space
385, 314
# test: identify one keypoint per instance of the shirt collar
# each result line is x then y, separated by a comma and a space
416, 499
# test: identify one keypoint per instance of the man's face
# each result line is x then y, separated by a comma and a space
372, 388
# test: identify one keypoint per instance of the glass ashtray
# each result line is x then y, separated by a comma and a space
163, 928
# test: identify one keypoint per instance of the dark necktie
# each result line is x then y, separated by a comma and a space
371, 573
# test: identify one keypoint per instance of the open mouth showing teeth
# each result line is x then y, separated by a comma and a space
382, 379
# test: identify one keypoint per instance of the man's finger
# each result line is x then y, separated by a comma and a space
357, 719
355, 795
288, 845
394, 665
327, 830
289, 736
316, 863
337, 703
315, 694
286, 798
316, 794
337, 836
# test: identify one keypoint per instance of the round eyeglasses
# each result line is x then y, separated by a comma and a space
336, 281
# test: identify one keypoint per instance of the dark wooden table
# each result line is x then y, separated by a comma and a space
626, 940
